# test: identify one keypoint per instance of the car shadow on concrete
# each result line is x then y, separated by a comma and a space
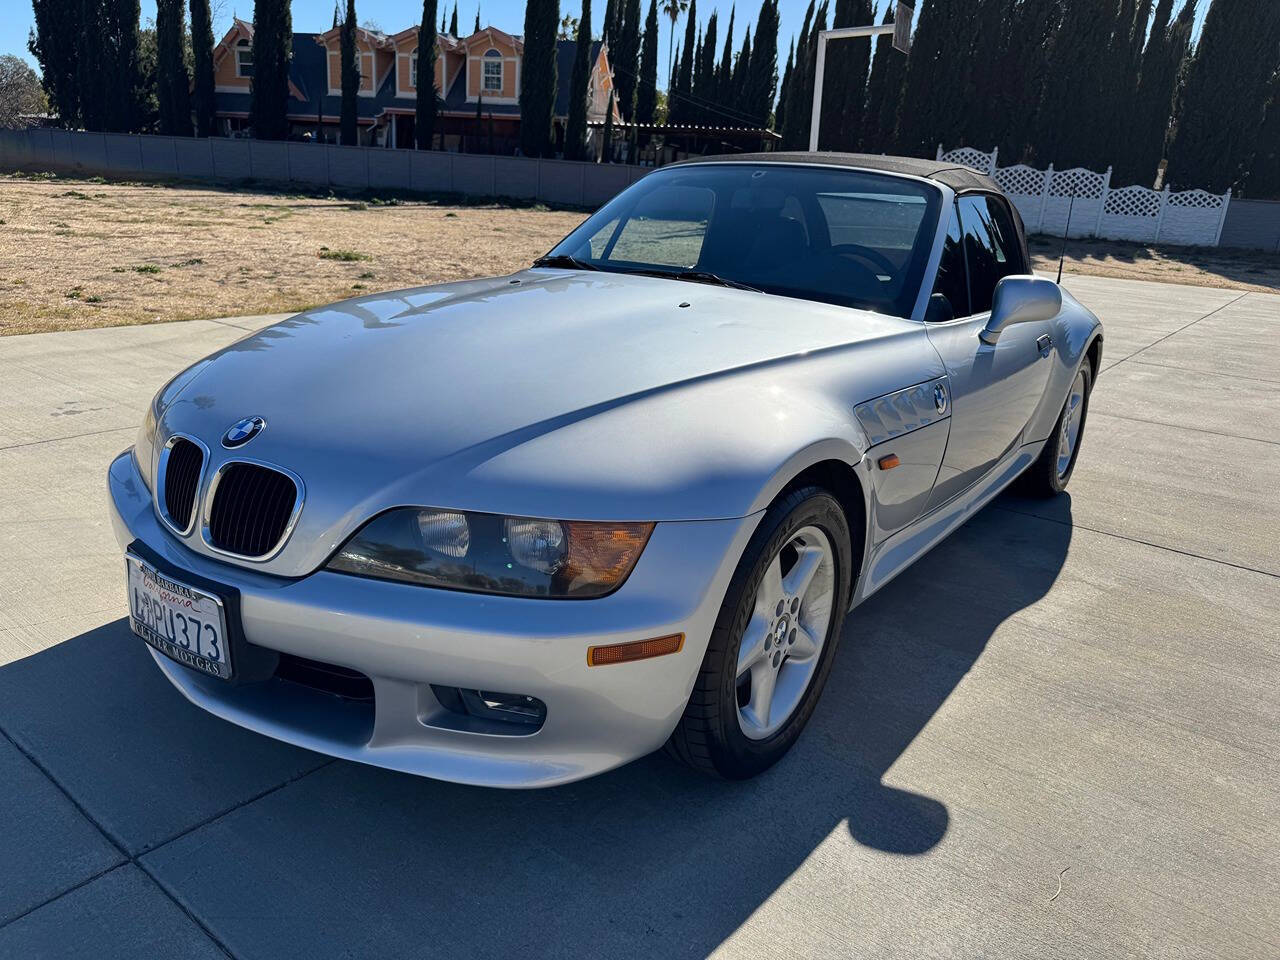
280, 852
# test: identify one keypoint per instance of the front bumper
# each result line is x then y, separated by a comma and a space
406, 638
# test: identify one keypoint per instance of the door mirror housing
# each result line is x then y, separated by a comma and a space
1021, 299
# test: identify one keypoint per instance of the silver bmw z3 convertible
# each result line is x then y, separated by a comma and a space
521, 530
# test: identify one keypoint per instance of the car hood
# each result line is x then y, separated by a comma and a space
421, 396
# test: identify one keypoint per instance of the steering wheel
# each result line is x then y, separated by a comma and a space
866, 253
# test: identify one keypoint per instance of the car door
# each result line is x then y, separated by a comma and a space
995, 388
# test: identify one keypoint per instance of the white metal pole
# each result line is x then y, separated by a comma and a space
817, 91
842, 33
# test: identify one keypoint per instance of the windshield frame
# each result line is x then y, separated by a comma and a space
920, 260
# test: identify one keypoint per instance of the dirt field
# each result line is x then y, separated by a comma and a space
83, 253
80, 253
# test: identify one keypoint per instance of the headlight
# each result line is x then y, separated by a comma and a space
488, 553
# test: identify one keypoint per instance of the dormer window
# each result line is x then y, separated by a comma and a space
492, 72
244, 59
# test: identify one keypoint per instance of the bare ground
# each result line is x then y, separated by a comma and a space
78, 253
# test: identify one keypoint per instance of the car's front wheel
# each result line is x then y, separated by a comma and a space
1048, 476
773, 642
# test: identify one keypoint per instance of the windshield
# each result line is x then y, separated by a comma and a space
846, 237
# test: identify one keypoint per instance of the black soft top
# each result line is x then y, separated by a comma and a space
956, 176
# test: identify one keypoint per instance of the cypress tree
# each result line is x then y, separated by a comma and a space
453, 21
704, 75
172, 82
91, 64
724, 72
1264, 171
477, 30
54, 44
990, 94
121, 59
269, 89
627, 57
606, 138
780, 113
608, 28
1071, 132
348, 127
844, 89
538, 80
1142, 147
1223, 103
795, 136
444, 21
741, 71
679, 103
763, 75
1035, 24
883, 89
202, 66
424, 115
647, 91
575, 137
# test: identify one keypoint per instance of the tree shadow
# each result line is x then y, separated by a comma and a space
648, 860
1255, 267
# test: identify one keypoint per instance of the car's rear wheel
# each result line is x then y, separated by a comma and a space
1048, 476
773, 642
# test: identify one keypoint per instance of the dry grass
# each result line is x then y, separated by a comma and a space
84, 253
78, 253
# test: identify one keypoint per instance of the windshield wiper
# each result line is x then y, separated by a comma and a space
564, 260
698, 276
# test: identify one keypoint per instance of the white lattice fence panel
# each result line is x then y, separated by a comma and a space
1076, 195
1130, 213
1024, 186
970, 157
1193, 218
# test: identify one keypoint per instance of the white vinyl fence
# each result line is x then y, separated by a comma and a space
1046, 197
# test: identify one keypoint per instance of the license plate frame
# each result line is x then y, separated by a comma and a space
166, 592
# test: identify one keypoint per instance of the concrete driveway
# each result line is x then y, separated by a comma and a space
1058, 735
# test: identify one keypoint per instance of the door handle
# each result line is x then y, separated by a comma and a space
1044, 343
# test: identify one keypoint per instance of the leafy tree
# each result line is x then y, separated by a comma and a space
780, 114
538, 80
647, 91
424, 115
269, 90
683, 87
202, 67
845, 86
672, 9
884, 88
172, 82
762, 81
626, 57
1223, 103
348, 124
575, 137
20, 92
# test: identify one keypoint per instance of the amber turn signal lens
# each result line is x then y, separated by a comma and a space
889, 462
636, 650
603, 553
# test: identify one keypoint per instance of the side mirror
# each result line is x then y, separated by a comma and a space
1021, 299
939, 309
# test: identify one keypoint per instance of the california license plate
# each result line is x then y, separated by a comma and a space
183, 623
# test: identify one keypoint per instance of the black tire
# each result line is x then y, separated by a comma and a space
1042, 478
708, 737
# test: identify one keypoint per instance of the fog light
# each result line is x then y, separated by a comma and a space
636, 650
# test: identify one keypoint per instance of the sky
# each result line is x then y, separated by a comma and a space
394, 15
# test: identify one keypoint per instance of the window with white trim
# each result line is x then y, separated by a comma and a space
492, 72
413, 69
244, 59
